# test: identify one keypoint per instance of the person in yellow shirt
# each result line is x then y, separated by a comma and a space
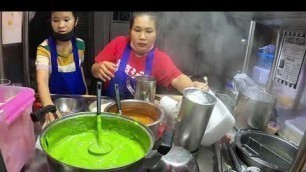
59, 60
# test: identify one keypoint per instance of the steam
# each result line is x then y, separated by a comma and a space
203, 42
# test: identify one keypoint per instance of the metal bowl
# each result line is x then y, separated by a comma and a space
177, 159
67, 105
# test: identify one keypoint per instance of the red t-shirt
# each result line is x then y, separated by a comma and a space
163, 68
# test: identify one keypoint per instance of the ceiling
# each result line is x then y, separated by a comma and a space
287, 19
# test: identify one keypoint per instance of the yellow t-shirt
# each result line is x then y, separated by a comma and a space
65, 62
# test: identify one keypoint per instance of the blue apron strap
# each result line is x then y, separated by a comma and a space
149, 62
75, 54
125, 58
53, 52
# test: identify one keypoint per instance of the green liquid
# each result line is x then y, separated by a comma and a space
73, 150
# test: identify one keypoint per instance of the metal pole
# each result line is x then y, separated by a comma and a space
299, 163
249, 47
275, 60
2, 74
25, 45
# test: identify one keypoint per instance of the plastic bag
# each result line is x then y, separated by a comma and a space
242, 81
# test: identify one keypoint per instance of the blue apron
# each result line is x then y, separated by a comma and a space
65, 82
121, 77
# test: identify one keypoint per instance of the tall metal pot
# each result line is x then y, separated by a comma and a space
254, 108
84, 121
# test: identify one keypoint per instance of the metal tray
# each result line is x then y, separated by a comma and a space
265, 151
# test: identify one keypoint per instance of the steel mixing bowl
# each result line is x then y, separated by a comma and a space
67, 105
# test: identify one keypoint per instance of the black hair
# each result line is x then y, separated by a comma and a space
152, 15
74, 13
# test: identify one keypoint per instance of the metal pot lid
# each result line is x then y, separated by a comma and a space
265, 151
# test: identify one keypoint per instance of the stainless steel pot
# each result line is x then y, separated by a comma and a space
254, 108
194, 114
84, 121
145, 108
267, 152
177, 159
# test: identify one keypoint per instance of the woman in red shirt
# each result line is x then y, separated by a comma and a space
127, 57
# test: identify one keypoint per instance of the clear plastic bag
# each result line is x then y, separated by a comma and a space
242, 81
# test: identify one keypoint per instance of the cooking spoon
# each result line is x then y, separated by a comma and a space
98, 147
118, 99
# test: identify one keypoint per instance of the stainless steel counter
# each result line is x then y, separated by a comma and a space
206, 156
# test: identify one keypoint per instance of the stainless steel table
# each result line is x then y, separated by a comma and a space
206, 156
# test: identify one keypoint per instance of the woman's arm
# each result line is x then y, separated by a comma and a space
103, 70
182, 81
42, 77
84, 80
104, 66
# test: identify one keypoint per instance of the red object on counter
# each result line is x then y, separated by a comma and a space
36, 105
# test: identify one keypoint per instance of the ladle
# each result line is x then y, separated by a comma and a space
118, 102
98, 147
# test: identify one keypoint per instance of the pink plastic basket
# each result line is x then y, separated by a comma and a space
17, 139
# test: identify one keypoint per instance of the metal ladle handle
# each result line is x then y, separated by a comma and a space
99, 88
118, 98
233, 156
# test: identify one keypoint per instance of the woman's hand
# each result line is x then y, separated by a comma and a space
106, 70
201, 85
50, 117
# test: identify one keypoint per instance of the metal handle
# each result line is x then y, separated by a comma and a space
219, 156
129, 86
39, 114
233, 156
2, 74
25, 45
99, 88
118, 98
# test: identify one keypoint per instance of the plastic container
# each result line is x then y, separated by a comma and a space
221, 121
293, 129
260, 75
17, 139
265, 60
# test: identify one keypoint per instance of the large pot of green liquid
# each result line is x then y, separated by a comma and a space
66, 141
